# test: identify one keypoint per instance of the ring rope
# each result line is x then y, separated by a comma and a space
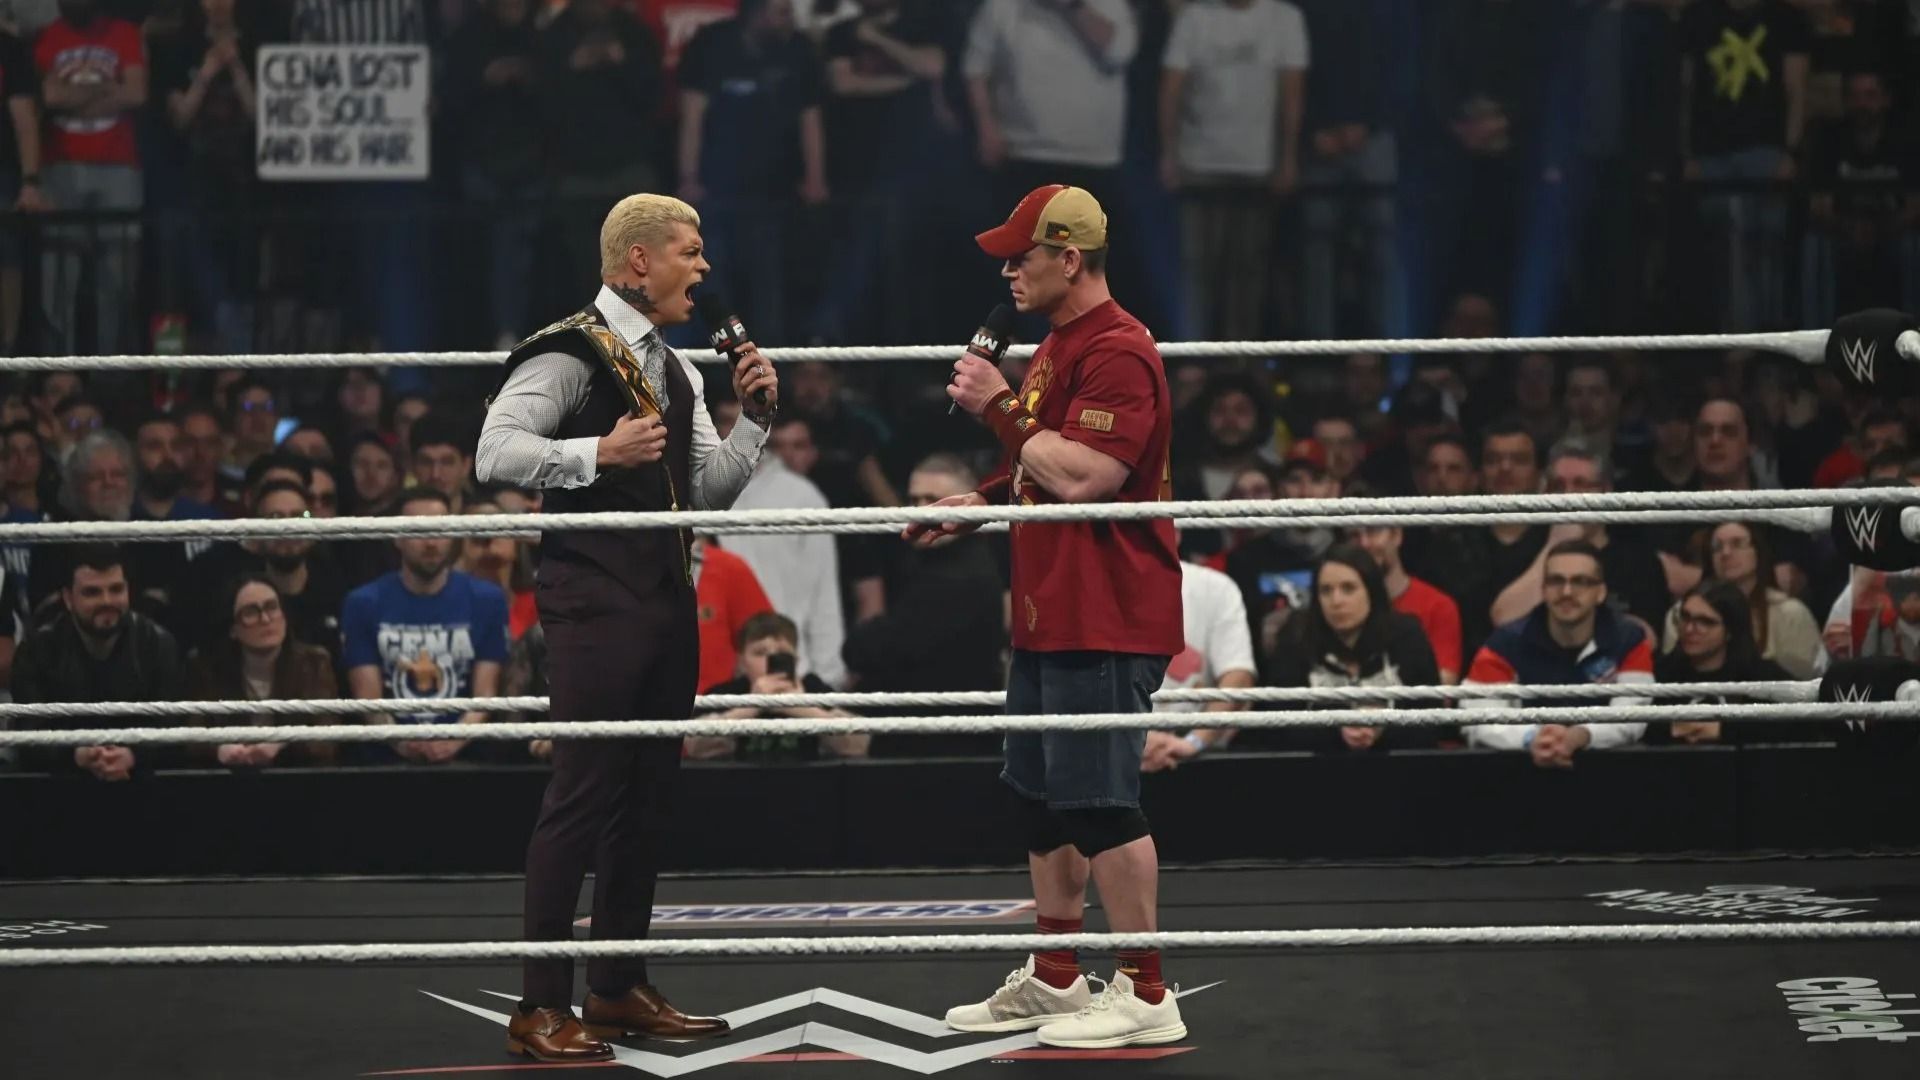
1415, 510
952, 725
1804, 519
1790, 690
1807, 346
868, 945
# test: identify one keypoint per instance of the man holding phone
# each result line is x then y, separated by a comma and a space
769, 665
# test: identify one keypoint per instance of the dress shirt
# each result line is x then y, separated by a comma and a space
517, 444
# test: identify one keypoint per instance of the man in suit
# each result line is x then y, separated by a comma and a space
599, 413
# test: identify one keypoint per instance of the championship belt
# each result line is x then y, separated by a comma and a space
627, 369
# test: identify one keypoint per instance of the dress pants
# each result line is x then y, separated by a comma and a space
613, 654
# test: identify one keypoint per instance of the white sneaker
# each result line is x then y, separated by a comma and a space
1118, 1018
1021, 1004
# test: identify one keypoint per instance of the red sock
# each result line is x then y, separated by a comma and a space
1057, 968
1143, 967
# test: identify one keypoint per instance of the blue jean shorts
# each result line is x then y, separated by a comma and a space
1071, 770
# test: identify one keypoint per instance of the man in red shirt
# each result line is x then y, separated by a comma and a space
1096, 615
93, 79
1439, 615
728, 594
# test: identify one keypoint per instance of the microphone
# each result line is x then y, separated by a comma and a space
990, 341
725, 330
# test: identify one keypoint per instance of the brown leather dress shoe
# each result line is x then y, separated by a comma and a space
643, 1011
553, 1035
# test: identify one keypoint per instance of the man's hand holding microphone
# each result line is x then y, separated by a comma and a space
976, 379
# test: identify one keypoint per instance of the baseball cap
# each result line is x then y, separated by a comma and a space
1306, 453
1055, 215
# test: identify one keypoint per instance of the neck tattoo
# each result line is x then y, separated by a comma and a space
635, 296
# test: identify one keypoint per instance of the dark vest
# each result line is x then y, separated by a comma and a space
641, 559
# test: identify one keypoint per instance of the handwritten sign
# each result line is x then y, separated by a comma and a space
342, 112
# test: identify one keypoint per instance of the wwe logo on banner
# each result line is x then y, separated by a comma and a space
1862, 523
1853, 695
1858, 355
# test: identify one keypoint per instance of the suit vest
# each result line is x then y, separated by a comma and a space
641, 559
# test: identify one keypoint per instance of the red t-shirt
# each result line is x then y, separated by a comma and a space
1439, 616
727, 595
1840, 467
1096, 585
101, 53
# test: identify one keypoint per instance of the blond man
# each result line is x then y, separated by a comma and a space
598, 412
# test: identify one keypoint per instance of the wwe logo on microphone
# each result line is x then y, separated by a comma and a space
1858, 355
1862, 523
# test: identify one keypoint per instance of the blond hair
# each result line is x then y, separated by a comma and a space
639, 219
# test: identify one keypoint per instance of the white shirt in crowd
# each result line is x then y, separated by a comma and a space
1217, 637
1055, 99
800, 573
1233, 57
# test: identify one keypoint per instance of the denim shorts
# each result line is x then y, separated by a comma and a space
1071, 770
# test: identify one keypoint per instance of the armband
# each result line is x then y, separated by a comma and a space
1012, 424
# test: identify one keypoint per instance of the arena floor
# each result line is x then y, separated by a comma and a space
1642, 1011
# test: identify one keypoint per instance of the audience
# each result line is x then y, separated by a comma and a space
262, 659
1438, 615
1218, 654
768, 665
1717, 645
1782, 626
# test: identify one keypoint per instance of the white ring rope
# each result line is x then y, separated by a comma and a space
1387, 937
1807, 346
1791, 690
953, 725
1406, 510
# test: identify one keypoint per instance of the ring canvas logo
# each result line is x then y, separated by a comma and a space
1858, 356
1863, 522
840, 1043
1834, 1008
935, 912
44, 928
1753, 902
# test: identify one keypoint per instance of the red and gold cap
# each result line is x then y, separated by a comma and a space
1056, 215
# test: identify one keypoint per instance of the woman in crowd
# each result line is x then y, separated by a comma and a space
1349, 635
261, 659
1716, 644
1783, 628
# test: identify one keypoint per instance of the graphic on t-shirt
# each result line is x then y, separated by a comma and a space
85, 65
1736, 59
426, 663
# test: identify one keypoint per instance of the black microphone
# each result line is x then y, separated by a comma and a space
990, 341
725, 330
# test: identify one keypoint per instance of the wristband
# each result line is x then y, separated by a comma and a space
1526, 741
996, 489
1012, 424
1199, 744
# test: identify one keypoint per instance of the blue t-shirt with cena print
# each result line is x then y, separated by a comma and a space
425, 646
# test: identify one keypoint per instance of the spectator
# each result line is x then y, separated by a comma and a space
1716, 645
849, 438
1743, 72
1536, 405
1592, 401
96, 485
752, 73
1572, 637
26, 472
884, 69
1349, 144
375, 475
933, 619
768, 666
728, 596
801, 573
425, 632
1642, 591
1272, 566
600, 73
93, 81
204, 77
262, 660
361, 401
494, 95
163, 457
46, 390
1218, 654
1339, 438
1782, 626
96, 649
1349, 635
1047, 83
1437, 613
1239, 426
1670, 465
408, 410
74, 419
1863, 175
309, 442
256, 423
1232, 90
20, 176
1446, 468
205, 436
504, 561
1878, 431
310, 589
1723, 448
1509, 465
442, 458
